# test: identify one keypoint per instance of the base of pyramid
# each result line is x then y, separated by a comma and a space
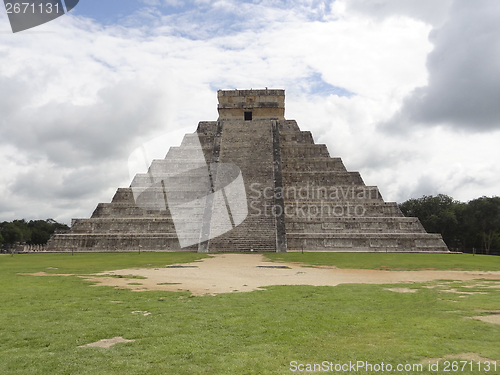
366, 242
317, 242
122, 242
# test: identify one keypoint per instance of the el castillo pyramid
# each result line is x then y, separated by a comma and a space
250, 181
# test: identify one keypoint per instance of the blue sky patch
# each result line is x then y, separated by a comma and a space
319, 87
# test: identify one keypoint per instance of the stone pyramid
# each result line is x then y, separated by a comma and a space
250, 181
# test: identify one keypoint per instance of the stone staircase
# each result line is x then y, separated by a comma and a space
249, 146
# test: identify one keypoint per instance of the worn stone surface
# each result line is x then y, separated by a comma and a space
262, 104
298, 197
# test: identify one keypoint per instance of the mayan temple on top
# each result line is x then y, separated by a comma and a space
250, 181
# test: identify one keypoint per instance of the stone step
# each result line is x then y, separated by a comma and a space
322, 178
307, 192
195, 178
123, 225
123, 195
297, 137
125, 210
355, 225
288, 126
304, 151
343, 209
312, 165
167, 167
383, 242
115, 242
207, 127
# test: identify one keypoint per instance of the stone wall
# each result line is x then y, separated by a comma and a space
263, 104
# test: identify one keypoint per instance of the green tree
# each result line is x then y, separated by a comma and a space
41, 230
39, 237
11, 233
437, 215
24, 228
34, 232
483, 217
475, 224
463, 236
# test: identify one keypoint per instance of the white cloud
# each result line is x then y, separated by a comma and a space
430, 11
464, 72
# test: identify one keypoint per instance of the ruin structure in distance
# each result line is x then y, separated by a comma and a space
293, 195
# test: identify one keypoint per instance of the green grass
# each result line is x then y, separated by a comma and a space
393, 261
85, 263
43, 320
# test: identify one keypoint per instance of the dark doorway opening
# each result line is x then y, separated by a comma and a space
248, 116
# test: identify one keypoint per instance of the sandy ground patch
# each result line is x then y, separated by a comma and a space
494, 318
106, 343
46, 274
226, 273
401, 290
145, 313
453, 290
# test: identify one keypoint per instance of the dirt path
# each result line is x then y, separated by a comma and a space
226, 273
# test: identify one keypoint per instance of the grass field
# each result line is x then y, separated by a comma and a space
43, 320
394, 261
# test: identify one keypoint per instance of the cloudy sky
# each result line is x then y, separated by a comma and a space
407, 92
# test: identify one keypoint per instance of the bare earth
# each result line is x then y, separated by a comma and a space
227, 273
106, 343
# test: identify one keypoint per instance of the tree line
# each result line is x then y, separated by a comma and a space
464, 226
33, 232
